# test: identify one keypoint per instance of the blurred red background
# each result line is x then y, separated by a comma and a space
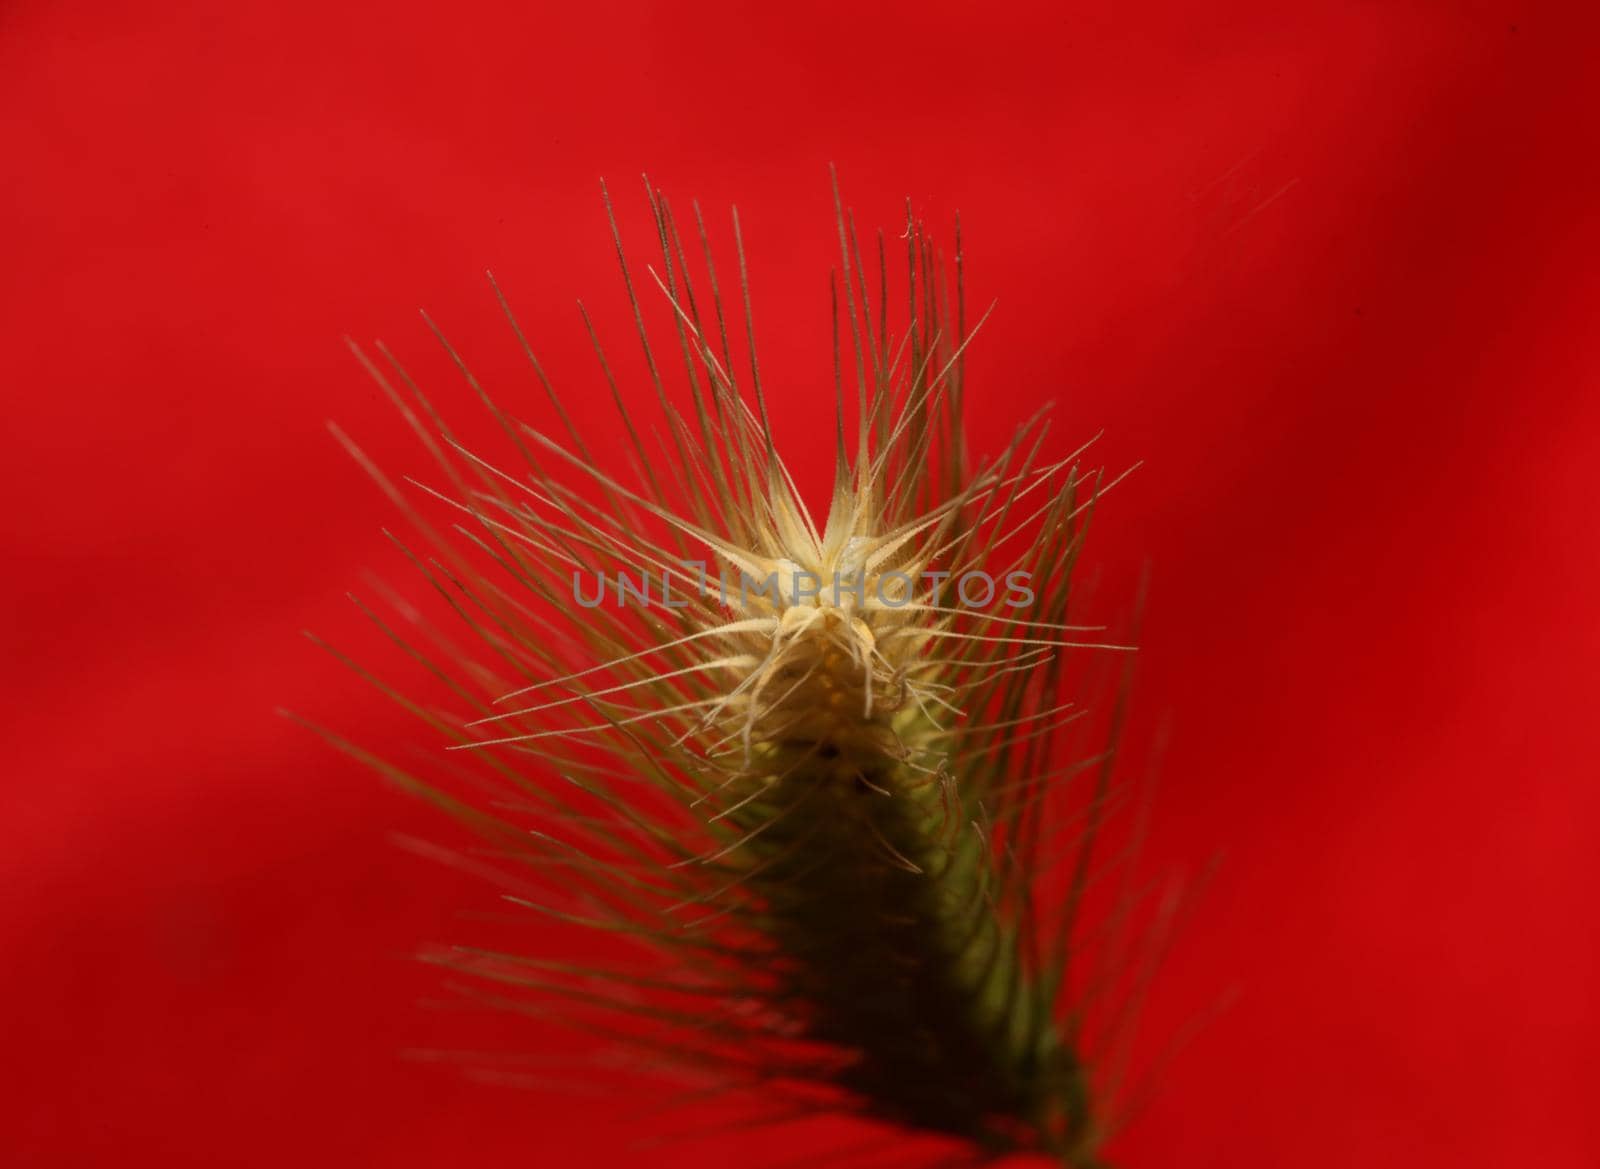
1329, 269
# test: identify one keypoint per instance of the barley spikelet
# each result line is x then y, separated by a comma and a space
796, 772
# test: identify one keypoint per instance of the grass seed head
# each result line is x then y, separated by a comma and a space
801, 777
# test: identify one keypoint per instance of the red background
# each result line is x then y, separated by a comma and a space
1328, 268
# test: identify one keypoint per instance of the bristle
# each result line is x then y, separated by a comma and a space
807, 778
